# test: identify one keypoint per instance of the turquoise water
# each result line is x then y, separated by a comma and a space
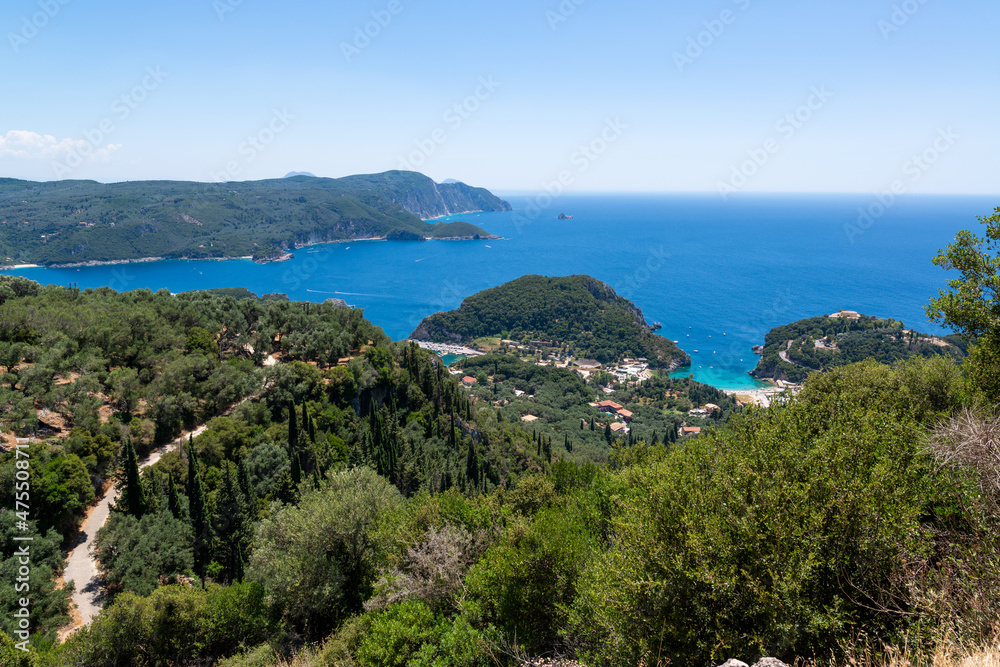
717, 274
449, 359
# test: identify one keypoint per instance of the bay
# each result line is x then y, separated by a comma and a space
717, 274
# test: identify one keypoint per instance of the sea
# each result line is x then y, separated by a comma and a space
716, 273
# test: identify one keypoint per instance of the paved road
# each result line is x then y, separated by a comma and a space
81, 566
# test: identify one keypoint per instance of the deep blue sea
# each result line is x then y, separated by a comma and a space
718, 274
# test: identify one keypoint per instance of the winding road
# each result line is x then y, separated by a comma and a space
81, 566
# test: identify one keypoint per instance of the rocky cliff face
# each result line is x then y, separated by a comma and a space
434, 200
603, 292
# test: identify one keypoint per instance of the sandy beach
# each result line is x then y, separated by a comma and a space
444, 348
761, 397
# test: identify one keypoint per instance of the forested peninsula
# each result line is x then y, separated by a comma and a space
79, 222
792, 351
579, 313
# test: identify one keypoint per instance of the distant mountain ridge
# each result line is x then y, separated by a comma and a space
76, 222
579, 312
422, 197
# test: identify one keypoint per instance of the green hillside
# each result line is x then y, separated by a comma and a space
456, 230
821, 343
578, 312
68, 222
349, 501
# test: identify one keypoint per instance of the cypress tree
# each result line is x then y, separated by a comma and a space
296, 469
246, 486
305, 419
548, 449
240, 564
173, 498
135, 500
472, 463
591, 423
199, 521
293, 429
231, 523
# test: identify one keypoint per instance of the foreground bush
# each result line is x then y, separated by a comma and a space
782, 535
319, 560
176, 625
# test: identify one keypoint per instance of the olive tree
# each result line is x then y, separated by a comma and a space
971, 304
319, 560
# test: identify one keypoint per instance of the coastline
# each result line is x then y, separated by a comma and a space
446, 348
490, 237
760, 397
284, 258
441, 218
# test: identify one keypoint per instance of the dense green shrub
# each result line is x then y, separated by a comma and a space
527, 582
780, 535
175, 625
318, 560
134, 553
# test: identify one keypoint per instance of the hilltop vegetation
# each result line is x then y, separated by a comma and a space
66, 222
576, 312
822, 343
457, 230
370, 511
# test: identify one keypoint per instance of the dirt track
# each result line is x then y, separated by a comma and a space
81, 566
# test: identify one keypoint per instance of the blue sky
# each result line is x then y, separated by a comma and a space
624, 96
